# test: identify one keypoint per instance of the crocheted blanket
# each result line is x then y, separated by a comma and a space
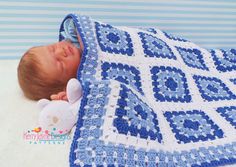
152, 99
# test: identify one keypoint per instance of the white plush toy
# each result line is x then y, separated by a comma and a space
58, 116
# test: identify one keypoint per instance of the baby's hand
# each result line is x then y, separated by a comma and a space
59, 96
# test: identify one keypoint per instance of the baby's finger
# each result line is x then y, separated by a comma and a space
61, 95
54, 97
65, 98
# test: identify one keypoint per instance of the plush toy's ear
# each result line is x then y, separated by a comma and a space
42, 103
73, 90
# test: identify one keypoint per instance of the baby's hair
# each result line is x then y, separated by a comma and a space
32, 79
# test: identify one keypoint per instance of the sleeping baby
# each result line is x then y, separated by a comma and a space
44, 71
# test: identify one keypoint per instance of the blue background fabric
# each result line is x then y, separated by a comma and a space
27, 23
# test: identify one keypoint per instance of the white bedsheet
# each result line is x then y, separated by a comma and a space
17, 115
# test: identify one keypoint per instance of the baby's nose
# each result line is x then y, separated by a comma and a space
60, 53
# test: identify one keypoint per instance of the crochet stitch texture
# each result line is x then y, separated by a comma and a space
152, 99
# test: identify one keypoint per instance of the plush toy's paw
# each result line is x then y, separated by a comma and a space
73, 90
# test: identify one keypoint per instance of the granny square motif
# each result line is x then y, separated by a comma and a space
169, 84
226, 60
113, 40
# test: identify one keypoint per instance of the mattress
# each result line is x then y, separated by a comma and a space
18, 116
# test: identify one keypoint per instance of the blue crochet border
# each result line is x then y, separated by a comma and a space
72, 154
89, 56
83, 25
81, 76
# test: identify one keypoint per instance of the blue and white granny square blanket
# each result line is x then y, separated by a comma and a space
152, 99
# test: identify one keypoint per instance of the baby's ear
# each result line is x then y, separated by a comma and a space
42, 103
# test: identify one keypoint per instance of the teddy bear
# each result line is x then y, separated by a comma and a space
58, 117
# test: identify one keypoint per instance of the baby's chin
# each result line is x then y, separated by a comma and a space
75, 68
78, 51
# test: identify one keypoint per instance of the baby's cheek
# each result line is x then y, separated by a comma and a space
72, 69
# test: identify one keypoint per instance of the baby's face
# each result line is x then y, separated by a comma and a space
59, 60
